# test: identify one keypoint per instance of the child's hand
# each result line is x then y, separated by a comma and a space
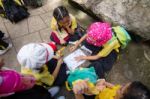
73, 48
79, 58
62, 41
100, 85
80, 87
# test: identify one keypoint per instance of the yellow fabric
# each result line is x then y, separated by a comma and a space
92, 88
54, 25
44, 77
1, 4
112, 44
108, 93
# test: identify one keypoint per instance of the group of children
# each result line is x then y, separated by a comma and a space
41, 68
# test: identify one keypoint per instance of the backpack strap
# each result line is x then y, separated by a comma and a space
116, 36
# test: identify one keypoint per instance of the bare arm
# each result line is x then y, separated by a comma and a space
78, 43
94, 57
71, 31
81, 40
79, 96
56, 71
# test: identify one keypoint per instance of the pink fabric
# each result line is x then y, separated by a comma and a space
56, 39
99, 33
12, 82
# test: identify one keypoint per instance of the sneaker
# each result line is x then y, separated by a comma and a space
53, 90
5, 50
61, 97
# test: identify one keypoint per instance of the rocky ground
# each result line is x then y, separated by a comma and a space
133, 62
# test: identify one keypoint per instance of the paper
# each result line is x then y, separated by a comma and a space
70, 59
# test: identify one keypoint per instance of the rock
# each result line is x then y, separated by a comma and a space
132, 14
132, 65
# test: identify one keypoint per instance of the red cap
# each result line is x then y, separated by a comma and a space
53, 45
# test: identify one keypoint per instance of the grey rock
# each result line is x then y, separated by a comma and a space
132, 14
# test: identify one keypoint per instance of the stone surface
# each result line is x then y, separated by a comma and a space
131, 65
2, 25
133, 14
45, 35
10, 58
37, 11
35, 24
47, 18
133, 62
17, 30
51, 4
19, 42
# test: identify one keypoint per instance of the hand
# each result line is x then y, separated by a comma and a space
100, 85
79, 58
73, 48
80, 87
62, 41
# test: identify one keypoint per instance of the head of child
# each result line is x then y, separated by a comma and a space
99, 33
133, 90
61, 15
35, 55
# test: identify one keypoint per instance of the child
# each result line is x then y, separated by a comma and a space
103, 44
37, 59
4, 46
64, 27
11, 81
85, 84
132, 90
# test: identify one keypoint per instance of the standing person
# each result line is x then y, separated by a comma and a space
4, 46
37, 59
64, 27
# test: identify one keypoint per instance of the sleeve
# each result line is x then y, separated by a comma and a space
74, 22
46, 77
107, 49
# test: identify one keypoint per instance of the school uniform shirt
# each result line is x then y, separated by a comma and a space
112, 44
41, 78
108, 93
63, 33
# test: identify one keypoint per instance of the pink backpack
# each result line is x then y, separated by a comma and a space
13, 82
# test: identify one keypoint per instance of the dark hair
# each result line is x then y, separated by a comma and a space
137, 90
60, 12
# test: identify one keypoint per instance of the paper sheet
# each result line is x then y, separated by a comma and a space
70, 59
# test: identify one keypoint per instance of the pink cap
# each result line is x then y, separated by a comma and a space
99, 33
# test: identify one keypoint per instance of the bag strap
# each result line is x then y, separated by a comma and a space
116, 36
